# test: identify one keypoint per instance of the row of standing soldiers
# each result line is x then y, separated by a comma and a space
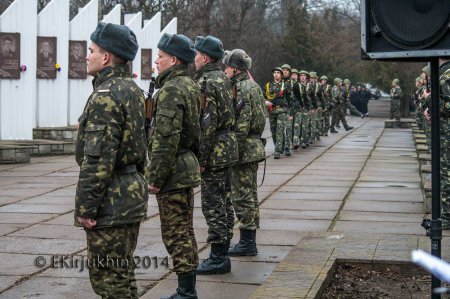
300, 107
422, 101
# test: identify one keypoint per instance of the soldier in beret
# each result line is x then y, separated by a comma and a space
173, 170
250, 123
111, 195
218, 152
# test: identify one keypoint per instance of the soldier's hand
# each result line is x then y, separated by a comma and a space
268, 104
87, 222
427, 115
426, 93
153, 189
290, 117
202, 169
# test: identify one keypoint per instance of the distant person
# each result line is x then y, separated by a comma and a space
364, 100
396, 94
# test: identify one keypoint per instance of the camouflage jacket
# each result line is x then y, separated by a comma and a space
250, 121
444, 82
337, 97
396, 93
110, 142
303, 95
326, 99
275, 95
313, 92
218, 146
176, 136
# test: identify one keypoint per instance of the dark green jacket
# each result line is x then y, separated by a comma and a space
111, 138
176, 138
218, 146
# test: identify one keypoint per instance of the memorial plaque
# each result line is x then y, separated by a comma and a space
10, 55
77, 59
46, 57
146, 63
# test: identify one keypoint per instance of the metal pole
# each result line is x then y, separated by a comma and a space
436, 232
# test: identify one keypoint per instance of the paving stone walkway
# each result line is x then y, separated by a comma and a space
353, 195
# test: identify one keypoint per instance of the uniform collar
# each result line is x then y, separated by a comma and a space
174, 71
212, 66
119, 70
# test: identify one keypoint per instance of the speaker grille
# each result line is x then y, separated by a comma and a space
411, 24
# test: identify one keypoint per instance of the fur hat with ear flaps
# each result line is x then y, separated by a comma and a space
237, 58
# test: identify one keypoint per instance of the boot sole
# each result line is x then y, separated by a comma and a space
243, 254
212, 272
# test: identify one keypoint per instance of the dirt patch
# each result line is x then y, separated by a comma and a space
378, 281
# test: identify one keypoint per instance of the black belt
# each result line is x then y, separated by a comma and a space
223, 131
126, 169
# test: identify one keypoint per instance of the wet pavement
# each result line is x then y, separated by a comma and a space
352, 195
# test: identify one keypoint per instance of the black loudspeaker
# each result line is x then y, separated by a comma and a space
405, 30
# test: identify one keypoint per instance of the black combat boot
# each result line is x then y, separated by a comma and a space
287, 152
246, 245
348, 128
186, 287
276, 155
218, 261
333, 130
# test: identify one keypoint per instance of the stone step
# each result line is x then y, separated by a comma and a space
425, 158
37, 147
403, 123
14, 154
425, 168
68, 133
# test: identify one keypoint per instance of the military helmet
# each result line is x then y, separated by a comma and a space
313, 75
304, 72
347, 81
337, 81
277, 69
426, 70
323, 78
294, 71
396, 81
286, 66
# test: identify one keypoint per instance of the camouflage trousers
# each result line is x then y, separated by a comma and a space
325, 122
282, 140
216, 204
419, 118
301, 127
176, 214
395, 110
338, 114
427, 129
114, 277
445, 167
314, 125
245, 196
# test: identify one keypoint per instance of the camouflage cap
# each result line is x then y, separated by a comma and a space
117, 39
347, 81
210, 46
277, 69
313, 75
294, 71
286, 66
337, 81
396, 81
304, 72
178, 45
237, 58
324, 78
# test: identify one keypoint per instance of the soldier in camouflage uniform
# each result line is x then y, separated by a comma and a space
250, 122
295, 109
338, 100
218, 152
111, 196
288, 95
303, 130
278, 111
396, 94
444, 111
173, 170
315, 97
326, 105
